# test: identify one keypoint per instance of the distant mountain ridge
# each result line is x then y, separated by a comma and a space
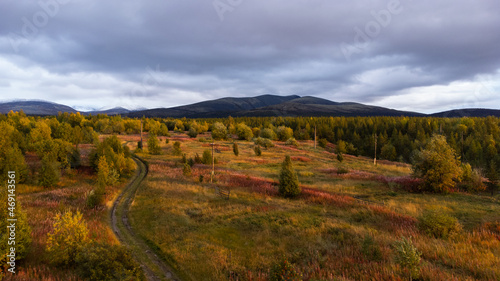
468, 112
265, 105
215, 108
35, 107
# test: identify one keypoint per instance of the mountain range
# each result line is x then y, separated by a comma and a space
265, 105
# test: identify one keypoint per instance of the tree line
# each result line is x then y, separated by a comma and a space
476, 140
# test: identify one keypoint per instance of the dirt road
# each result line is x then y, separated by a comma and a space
153, 266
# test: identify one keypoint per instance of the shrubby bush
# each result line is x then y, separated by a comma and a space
284, 271
219, 131
244, 132
437, 165
93, 199
471, 180
322, 143
268, 134
438, 224
103, 262
69, 236
284, 133
292, 141
263, 142
408, 257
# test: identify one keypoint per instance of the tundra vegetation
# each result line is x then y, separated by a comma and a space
428, 210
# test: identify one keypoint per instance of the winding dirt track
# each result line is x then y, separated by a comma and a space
154, 267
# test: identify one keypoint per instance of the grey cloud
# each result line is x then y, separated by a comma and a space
261, 47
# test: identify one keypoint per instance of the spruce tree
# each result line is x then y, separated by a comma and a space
177, 148
257, 150
288, 180
207, 157
186, 170
494, 178
236, 149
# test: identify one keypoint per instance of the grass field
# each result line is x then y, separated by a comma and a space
342, 227
326, 233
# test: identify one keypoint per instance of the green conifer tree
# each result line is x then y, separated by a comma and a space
288, 180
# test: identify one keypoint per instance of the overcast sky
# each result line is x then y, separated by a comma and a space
425, 56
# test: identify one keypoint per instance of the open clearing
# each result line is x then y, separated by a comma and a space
342, 227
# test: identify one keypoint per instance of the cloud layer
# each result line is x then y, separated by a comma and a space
410, 55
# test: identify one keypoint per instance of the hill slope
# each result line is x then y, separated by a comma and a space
35, 107
469, 112
310, 106
215, 108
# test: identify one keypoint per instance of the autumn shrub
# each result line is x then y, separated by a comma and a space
284, 133
93, 199
244, 132
68, 237
268, 134
408, 257
471, 180
263, 142
283, 270
292, 142
437, 165
219, 131
107, 262
438, 224
322, 143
